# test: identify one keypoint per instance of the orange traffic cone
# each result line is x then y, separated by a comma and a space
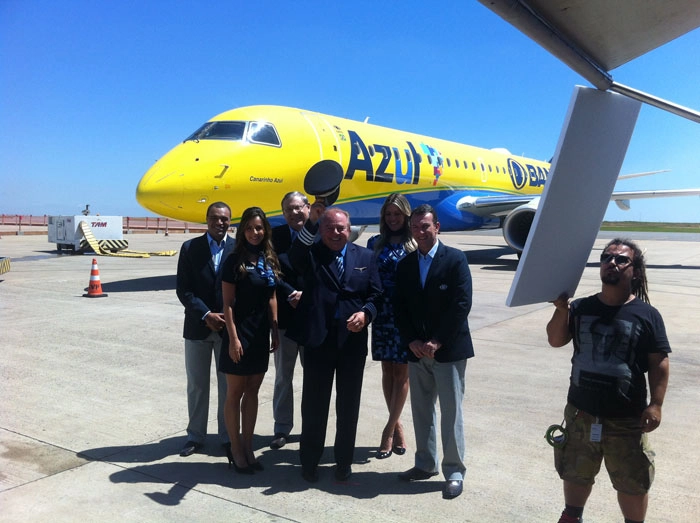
94, 287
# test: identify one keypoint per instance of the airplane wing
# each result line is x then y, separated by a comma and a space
637, 175
595, 36
622, 199
502, 205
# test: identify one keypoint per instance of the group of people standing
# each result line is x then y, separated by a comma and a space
303, 290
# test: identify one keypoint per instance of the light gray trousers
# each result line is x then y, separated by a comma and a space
430, 381
198, 354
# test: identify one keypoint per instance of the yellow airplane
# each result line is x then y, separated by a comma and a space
254, 155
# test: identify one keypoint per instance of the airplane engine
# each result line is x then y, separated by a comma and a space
516, 225
356, 232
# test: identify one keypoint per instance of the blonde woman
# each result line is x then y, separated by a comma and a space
392, 243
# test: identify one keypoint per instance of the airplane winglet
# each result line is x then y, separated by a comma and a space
567, 220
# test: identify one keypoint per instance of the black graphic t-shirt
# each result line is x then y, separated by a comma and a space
611, 348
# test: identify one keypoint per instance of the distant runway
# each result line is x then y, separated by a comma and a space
93, 405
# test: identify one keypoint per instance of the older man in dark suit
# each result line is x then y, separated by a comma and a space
295, 208
341, 291
199, 290
432, 301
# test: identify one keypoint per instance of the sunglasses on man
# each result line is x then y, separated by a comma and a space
619, 259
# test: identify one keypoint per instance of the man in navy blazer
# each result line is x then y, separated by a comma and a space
341, 292
432, 301
295, 208
199, 290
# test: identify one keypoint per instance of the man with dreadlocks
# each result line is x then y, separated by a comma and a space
618, 337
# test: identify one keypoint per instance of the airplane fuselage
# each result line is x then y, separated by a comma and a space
254, 155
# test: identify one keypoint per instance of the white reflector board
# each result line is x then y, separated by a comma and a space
597, 130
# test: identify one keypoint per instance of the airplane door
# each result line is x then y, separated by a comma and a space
328, 139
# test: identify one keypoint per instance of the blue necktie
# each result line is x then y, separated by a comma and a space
423, 267
340, 266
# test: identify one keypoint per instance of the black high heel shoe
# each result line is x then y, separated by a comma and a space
398, 450
241, 470
229, 454
383, 454
256, 465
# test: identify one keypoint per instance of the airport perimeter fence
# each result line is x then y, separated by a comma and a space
32, 224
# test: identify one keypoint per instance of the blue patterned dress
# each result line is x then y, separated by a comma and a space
386, 343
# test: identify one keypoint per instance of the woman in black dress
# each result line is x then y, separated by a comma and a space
249, 278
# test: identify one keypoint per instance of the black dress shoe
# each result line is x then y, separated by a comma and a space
190, 448
343, 472
416, 474
279, 441
310, 475
453, 488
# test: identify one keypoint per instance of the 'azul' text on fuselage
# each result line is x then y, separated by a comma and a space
406, 164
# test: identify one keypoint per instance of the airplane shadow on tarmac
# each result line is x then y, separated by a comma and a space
153, 283
158, 463
492, 258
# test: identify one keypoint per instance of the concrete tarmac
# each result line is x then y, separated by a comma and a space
93, 406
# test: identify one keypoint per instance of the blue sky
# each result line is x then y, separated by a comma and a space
92, 93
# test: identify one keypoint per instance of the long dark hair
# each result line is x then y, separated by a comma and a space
242, 245
639, 281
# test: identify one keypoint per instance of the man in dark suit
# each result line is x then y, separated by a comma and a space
199, 290
432, 301
341, 292
295, 208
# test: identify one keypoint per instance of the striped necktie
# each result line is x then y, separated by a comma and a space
340, 265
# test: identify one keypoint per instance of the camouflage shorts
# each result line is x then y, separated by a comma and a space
629, 459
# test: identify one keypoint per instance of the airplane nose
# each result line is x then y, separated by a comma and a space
170, 186
186, 180
161, 189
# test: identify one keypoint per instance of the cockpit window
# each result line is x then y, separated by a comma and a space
219, 131
265, 133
